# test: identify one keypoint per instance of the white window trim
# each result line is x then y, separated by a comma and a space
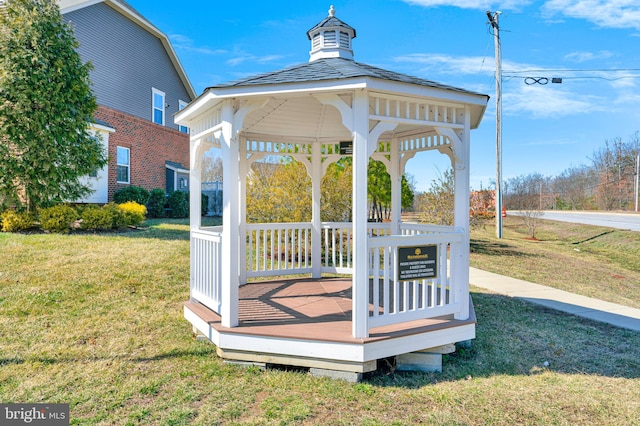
155, 92
182, 105
128, 166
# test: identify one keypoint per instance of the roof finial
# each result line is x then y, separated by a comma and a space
332, 11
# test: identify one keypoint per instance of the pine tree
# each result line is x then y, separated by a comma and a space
46, 107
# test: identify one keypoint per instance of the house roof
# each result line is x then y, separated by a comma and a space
129, 12
103, 124
333, 69
176, 166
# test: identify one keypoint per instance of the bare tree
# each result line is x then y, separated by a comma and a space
526, 195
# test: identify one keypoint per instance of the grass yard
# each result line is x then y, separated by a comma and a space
96, 321
590, 260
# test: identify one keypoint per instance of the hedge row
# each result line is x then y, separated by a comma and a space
62, 218
175, 205
130, 207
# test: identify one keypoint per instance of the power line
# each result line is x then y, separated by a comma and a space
572, 70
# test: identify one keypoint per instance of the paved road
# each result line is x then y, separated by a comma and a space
612, 220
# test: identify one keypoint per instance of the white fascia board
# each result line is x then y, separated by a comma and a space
67, 6
176, 169
204, 102
290, 89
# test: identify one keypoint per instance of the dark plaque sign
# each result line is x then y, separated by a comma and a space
346, 148
415, 263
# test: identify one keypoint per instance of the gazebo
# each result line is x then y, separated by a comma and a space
334, 297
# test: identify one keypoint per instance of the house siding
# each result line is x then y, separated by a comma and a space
151, 145
128, 61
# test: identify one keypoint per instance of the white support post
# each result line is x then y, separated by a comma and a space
230, 200
195, 184
360, 283
243, 170
316, 221
396, 187
460, 257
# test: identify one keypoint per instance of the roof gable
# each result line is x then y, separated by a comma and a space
130, 13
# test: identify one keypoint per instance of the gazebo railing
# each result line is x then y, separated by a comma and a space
206, 266
395, 295
278, 249
285, 249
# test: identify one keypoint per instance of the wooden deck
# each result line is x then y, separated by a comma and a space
317, 313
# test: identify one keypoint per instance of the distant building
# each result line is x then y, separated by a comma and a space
139, 84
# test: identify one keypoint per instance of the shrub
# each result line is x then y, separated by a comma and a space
179, 204
117, 214
134, 213
97, 218
131, 193
155, 204
13, 221
58, 218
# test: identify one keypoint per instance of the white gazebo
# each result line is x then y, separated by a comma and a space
335, 297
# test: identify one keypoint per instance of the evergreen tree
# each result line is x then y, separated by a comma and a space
46, 106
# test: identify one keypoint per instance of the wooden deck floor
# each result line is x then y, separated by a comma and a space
310, 309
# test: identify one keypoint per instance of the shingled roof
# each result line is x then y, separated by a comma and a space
331, 21
332, 69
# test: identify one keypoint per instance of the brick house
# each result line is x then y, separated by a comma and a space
139, 84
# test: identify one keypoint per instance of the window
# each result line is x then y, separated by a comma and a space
123, 162
158, 107
181, 106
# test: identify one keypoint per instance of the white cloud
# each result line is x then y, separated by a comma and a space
580, 92
472, 4
185, 43
547, 102
447, 64
241, 57
604, 13
588, 56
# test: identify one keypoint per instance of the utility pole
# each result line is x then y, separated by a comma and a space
637, 178
493, 20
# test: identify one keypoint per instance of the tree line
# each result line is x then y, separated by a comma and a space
280, 191
607, 183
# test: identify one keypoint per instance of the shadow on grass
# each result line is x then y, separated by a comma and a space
202, 351
494, 248
161, 229
515, 337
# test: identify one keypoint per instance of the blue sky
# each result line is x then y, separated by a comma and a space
593, 45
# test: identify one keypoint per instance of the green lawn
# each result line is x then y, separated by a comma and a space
590, 260
96, 321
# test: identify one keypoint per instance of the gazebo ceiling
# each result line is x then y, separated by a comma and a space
299, 117
306, 118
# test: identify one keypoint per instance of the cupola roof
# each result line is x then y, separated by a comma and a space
331, 38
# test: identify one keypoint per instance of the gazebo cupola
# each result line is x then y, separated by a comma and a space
331, 38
